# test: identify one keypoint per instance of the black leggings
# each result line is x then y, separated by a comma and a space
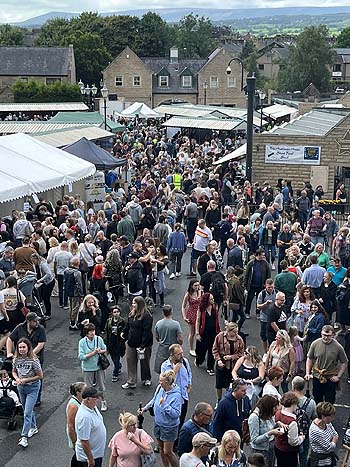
46, 291
204, 347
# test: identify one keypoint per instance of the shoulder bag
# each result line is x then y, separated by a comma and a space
147, 460
103, 361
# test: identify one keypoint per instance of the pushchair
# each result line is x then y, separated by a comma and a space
26, 285
10, 407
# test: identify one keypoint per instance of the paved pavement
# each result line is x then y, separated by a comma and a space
49, 447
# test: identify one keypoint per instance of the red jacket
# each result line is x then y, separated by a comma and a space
203, 318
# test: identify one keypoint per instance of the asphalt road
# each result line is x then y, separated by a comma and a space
49, 447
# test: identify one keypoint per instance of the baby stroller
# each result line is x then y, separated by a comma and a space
26, 285
10, 407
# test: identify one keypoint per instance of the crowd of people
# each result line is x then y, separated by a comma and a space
246, 251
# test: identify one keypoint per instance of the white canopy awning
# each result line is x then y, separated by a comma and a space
202, 123
29, 166
59, 139
279, 110
236, 155
140, 110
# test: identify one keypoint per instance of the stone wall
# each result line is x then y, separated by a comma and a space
128, 65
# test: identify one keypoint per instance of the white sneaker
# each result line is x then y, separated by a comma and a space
172, 275
32, 432
178, 274
192, 353
103, 406
147, 382
273, 267
23, 442
128, 386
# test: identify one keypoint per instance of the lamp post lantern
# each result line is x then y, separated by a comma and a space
262, 96
88, 94
104, 94
205, 87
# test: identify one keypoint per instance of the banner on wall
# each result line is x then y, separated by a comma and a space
280, 154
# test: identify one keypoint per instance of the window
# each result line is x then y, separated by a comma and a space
24, 80
137, 81
163, 81
53, 80
214, 82
261, 66
187, 81
337, 67
119, 81
231, 81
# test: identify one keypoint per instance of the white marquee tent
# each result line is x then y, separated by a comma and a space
140, 110
29, 166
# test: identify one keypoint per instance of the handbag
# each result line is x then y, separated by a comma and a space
83, 265
245, 432
103, 361
151, 409
20, 308
234, 306
147, 460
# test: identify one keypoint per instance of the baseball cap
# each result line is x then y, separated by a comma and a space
123, 238
200, 439
133, 255
32, 316
90, 392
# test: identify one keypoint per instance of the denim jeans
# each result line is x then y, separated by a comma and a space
116, 362
28, 394
62, 298
175, 260
270, 253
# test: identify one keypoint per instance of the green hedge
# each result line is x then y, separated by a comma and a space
34, 91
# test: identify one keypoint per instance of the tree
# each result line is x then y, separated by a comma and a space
91, 56
343, 40
34, 91
153, 38
249, 57
118, 32
54, 33
195, 36
310, 61
11, 35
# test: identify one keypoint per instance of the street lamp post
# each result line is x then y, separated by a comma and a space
205, 87
251, 80
88, 94
262, 96
104, 94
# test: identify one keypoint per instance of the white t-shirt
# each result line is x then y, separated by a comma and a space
1, 301
189, 460
271, 391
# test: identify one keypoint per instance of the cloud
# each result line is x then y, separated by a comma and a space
9, 11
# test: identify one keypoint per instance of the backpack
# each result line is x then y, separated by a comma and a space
149, 220
303, 420
224, 229
217, 286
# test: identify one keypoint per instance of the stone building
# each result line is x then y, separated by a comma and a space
314, 147
155, 80
45, 64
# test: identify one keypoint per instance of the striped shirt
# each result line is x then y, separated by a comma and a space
26, 367
321, 441
202, 238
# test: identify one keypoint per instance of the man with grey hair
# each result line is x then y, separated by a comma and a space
7, 264
61, 262
198, 423
213, 281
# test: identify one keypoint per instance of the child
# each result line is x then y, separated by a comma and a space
296, 340
114, 343
7, 387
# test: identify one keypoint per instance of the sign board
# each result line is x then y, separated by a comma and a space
304, 155
319, 175
95, 189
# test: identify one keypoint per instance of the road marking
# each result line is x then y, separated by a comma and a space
342, 405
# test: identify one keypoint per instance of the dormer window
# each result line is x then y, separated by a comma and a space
186, 81
163, 81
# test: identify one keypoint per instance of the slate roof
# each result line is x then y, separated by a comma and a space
34, 61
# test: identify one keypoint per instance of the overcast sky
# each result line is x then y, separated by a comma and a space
12, 11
